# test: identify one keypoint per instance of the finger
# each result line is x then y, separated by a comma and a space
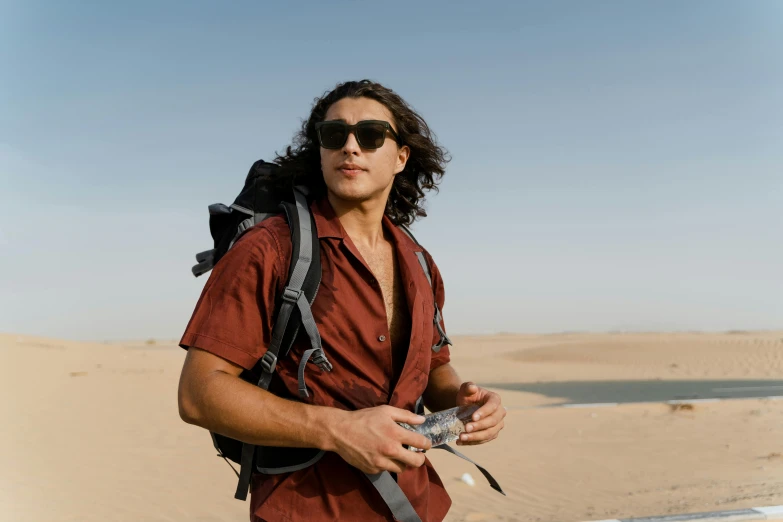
479, 437
486, 422
392, 466
468, 388
411, 438
408, 417
401, 466
408, 458
483, 435
491, 404
476, 430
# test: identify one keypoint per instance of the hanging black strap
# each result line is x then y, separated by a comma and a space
245, 471
492, 482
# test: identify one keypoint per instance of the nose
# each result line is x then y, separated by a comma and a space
351, 145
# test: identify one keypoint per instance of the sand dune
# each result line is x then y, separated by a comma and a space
92, 432
741, 355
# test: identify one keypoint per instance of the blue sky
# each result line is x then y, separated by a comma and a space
616, 165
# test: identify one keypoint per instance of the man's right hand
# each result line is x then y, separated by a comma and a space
370, 439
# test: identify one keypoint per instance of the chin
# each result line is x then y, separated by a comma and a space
351, 190
351, 195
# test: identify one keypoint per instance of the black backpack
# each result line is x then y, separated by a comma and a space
260, 198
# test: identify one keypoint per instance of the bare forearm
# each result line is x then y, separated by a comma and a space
226, 404
442, 388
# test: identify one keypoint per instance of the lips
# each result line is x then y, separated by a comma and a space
350, 169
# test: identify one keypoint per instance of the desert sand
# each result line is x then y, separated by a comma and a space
91, 431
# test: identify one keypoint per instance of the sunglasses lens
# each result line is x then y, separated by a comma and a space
370, 135
332, 135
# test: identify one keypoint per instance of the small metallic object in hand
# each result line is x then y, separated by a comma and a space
444, 426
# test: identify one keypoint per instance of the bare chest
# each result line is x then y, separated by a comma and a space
385, 267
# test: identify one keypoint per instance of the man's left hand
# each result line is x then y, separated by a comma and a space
487, 421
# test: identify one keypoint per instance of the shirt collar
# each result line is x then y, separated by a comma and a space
328, 225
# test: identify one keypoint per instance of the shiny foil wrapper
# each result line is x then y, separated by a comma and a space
444, 426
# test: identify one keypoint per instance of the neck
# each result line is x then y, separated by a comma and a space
362, 221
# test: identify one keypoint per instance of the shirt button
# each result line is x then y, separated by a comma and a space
382, 338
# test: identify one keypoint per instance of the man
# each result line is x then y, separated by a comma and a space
374, 311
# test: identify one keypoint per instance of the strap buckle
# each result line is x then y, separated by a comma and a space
268, 362
291, 295
319, 358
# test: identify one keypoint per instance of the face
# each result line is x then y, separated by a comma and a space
358, 175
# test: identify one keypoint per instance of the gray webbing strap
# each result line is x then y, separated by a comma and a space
305, 242
241, 209
306, 251
443, 337
490, 478
391, 493
292, 295
248, 223
206, 262
303, 393
206, 255
308, 321
315, 341
293, 292
269, 359
258, 217
424, 266
241, 229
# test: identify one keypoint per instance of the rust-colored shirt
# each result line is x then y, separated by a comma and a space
234, 318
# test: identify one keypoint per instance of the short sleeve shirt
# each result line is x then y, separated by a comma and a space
234, 317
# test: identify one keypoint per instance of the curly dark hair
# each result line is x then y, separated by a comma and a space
301, 163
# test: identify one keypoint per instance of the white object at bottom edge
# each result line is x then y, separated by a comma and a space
467, 479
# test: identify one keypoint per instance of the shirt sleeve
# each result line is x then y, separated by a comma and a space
233, 317
444, 355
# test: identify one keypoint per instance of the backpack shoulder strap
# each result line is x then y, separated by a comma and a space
444, 339
305, 268
300, 291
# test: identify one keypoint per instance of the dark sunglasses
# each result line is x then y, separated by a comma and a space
370, 134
